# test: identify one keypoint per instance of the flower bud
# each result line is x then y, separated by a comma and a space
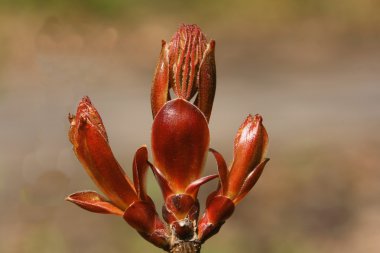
187, 66
90, 144
249, 150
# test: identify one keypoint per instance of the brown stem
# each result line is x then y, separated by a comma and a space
186, 247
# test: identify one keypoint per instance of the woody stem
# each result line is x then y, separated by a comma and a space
186, 247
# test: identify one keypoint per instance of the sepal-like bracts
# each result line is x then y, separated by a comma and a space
219, 209
94, 202
143, 217
180, 141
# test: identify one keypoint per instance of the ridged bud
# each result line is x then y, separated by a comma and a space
187, 66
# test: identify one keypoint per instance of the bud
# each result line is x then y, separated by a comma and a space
187, 66
90, 144
249, 150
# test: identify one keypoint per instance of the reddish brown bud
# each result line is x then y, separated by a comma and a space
186, 51
249, 151
187, 66
90, 144
179, 205
141, 215
89, 138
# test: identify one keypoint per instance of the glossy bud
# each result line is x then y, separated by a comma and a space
249, 151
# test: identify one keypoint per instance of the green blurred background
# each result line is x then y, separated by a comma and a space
311, 68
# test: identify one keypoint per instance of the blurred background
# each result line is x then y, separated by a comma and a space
311, 68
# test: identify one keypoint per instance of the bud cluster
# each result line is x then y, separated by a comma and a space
180, 144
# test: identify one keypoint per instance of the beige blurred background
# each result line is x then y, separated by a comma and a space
311, 68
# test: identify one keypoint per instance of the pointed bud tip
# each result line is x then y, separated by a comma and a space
88, 115
86, 108
86, 100
252, 119
212, 44
258, 118
70, 118
189, 32
183, 28
251, 122
85, 105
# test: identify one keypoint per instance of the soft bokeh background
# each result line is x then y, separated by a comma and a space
311, 68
